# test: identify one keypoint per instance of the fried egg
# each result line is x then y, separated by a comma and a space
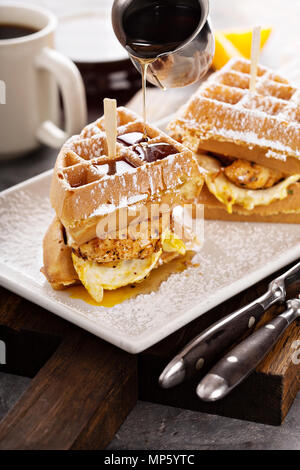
230, 194
97, 277
172, 243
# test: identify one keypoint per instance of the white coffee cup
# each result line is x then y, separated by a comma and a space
30, 73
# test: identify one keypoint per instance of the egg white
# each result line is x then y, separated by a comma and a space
96, 277
230, 194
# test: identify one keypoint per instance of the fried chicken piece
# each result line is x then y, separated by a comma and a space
250, 175
107, 250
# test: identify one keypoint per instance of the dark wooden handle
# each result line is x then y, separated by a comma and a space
241, 360
209, 345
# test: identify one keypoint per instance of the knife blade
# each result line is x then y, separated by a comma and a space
205, 348
236, 365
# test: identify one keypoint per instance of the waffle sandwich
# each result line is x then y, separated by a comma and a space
249, 143
97, 238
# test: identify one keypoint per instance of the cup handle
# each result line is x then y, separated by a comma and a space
73, 94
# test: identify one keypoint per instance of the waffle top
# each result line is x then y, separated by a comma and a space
87, 183
224, 109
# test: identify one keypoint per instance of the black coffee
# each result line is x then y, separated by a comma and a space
152, 28
13, 31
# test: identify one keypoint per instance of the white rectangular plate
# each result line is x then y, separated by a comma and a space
234, 257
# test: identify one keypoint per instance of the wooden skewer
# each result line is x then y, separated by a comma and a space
110, 123
255, 49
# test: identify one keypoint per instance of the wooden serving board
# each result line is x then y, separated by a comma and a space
82, 388
265, 396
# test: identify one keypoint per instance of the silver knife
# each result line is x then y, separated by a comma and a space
241, 360
205, 348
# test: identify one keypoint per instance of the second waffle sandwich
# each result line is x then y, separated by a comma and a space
249, 143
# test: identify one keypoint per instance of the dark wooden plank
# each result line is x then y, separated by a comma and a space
80, 396
265, 396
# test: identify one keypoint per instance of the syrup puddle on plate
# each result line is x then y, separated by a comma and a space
151, 284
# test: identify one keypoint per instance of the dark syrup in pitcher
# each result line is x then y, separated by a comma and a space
151, 28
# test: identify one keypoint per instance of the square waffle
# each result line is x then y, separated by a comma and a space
224, 117
87, 185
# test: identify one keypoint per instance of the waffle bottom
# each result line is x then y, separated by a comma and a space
217, 213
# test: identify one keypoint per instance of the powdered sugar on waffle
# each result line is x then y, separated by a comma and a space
276, 155
252, 140
125, 202
83, 183
224, 109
